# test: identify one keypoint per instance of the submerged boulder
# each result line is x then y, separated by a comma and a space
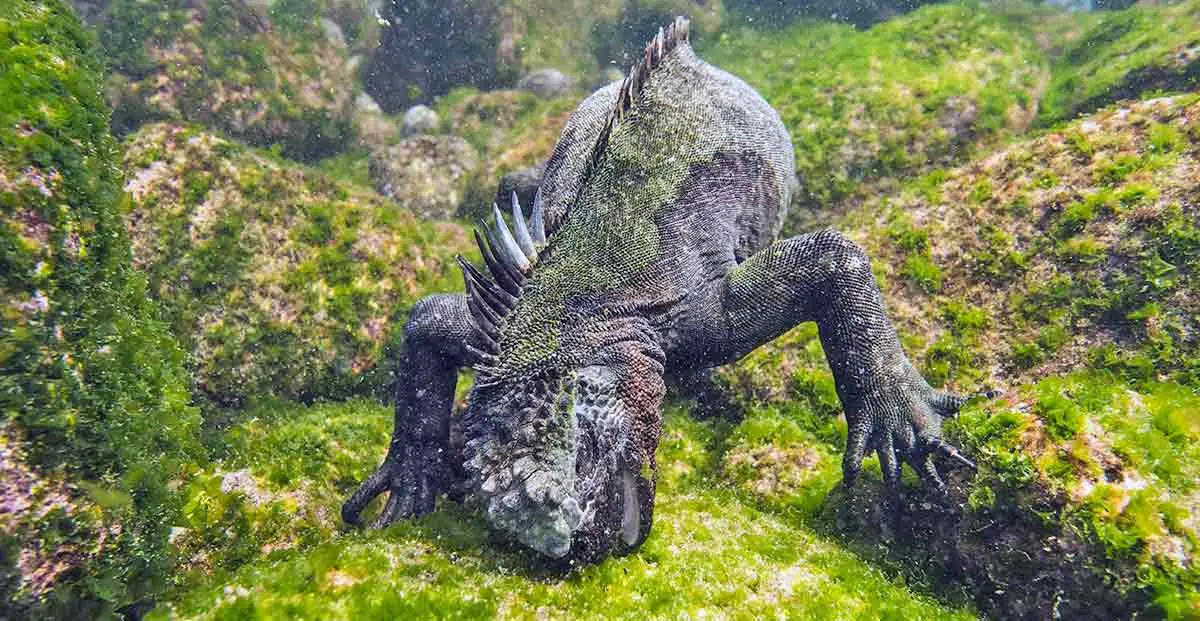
428, 47
420, 120
546, 83
426, 174
280, 281
511, 129
264, 76
1064, 269
92, 389
1143, 49
864, 106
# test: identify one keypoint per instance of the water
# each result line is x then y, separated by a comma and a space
230, 289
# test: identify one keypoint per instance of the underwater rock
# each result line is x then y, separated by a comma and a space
867, 108
375, 129
1064, 269
1142, 49
333, 32
546, 83
264, 78
95, 401
420, 120
428, 47
512, 130
280, 281
524, 182
425, 174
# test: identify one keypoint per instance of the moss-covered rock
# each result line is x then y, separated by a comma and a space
264, 77
1078, 248
1064, 269
512, 130
426, 174
94, 412
278, 280
912, 92
1124, 54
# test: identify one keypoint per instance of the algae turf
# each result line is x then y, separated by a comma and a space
230, 66
280, 281
93, 394
910, 93
1067, 274
1077, 248
709, 553
1126, 54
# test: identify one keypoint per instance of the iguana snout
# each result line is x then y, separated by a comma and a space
555, 461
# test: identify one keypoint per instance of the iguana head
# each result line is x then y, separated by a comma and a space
562, 422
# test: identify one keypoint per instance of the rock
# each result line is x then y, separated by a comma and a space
426, 174
524, 182
1056, 267
364, 103
428, 47
419, 120
375, 129
226, 66
546, 83
281, 282
861, 113
1100, 67
514, 130
94, 398
333, 32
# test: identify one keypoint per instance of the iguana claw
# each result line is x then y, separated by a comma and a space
413, 476
903, 424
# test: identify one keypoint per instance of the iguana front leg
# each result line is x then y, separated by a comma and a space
418, 463
825, 277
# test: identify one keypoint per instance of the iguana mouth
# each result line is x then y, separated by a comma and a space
557, 475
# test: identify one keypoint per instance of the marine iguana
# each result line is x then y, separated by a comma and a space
648, 250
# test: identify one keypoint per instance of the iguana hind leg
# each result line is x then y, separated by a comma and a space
420, 464
825, 277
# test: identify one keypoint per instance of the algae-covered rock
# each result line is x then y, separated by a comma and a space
1064, 270
911, 92
267, 77
426, 174
547, 83
1125, 54
94, 404
278, 280
511, 129
1077, 248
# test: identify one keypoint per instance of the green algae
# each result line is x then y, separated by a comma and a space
1125, 54
709, 553
94, 399
908, 94
281, 281
223, 65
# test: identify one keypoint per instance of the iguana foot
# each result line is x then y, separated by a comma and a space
902, 422
413, 475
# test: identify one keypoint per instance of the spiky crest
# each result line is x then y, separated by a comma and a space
631, 88
510, 257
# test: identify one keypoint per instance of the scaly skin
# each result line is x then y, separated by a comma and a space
661, 201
